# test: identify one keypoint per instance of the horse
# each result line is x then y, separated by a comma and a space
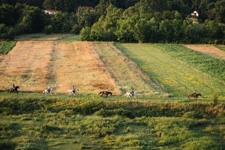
193, 95
106, 93
48, 91
11, 90
72, 92
129, 95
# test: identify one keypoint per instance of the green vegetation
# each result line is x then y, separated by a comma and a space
29, 36
221, 47
177, 68
210, 65
70, 38
6, 47
93, 123
164, 21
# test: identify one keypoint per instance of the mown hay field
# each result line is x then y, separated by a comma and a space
33, 65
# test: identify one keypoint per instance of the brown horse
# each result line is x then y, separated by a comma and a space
105, 93
11, 90
193, 95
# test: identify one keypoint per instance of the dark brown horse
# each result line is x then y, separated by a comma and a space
105, 93
195, 96
11, 90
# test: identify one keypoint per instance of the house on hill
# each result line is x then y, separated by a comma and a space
50, 12
195, 14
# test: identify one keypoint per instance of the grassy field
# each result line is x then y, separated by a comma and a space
161, 117
41, 37
70, 38
178, 71
5, 47
34, 121
126, 73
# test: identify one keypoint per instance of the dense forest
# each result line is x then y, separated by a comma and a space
164, 21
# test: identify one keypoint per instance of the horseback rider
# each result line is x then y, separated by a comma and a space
132, 92
106, 91
14, 87
73, 89
195, 94
49, 88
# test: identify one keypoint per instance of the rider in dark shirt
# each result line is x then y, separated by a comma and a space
73, 89
14, 86
195, 94
132, 92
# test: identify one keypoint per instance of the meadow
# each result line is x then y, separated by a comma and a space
37, 121
161, 117
178, 68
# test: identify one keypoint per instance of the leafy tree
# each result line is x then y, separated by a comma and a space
8, 15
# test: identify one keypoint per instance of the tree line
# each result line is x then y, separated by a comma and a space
165, 21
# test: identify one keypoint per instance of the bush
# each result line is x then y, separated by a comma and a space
76, 29
7, 145
48, 29
193, 115
214, 99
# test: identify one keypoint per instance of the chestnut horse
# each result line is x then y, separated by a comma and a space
11, 90
193, 95
105, 93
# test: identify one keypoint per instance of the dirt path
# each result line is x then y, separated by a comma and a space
209, 50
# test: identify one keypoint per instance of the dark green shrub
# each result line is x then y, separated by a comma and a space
193, 115
48, 29
48, 129
6, 145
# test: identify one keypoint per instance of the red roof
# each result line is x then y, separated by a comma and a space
89, 7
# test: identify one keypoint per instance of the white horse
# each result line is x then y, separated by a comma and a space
47, 91
72, 92
129, 95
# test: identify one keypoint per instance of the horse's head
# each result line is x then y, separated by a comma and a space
100, 92
17, 87
200, 94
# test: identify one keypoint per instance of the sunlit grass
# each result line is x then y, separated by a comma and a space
5, 47
176, 75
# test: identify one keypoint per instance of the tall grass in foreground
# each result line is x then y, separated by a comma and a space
29, 123
6, 47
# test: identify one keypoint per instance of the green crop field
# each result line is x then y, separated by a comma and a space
179, 69
5, 47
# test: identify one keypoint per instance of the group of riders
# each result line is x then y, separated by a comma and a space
131, 92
